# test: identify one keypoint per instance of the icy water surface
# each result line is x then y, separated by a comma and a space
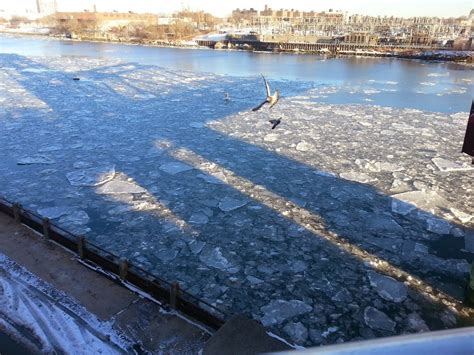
348, 221
440, 87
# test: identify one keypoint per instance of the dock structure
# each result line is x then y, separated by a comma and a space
117, 268
329, 48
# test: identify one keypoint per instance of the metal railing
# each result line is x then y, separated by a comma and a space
119, 268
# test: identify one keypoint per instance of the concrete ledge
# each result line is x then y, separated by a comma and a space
150, 327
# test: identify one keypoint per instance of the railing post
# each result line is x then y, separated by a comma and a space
46, 225
17, 212
81, 245
123, 268
174, 292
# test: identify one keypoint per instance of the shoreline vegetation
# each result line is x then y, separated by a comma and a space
462, 57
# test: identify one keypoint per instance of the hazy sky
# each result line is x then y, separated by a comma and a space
406, 8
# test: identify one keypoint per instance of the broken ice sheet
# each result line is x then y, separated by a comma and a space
277, 311
210, 179
387, 287
446, 165
51, 148
406, 202
36, 159
92, 176
175, 168
196, 125
215, 258
249, 149
198, 218
55, 212
228, 204
120, 187
357, 177
462, 216
75, 222
377, 319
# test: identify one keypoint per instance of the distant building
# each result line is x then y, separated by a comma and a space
309, 26
46, 7
463, 44
361, 38
106, 20
244, 13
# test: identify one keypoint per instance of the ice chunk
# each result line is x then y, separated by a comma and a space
92, 176
297, 332
51, 148
469, 241
376, 319
213, 257
272, 137
357, 177
120, 187
388, 288
36, 159
75, 222
210, 179
198, 218
383, 223
228, 204
343, 296
406, 202
438, 74
81, 165
298, 266
448, 165
378, 166
304, 146
196, 125
254, 280
462, 216
277, 311
416, 323
35, 70
47, 172
438, 226
196, 246
55, 212
175, 168
166, 255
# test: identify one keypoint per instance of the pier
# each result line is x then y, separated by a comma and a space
395, 50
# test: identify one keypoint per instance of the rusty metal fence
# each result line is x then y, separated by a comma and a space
118, 268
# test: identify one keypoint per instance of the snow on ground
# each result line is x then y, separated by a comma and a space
309, 227
48, 320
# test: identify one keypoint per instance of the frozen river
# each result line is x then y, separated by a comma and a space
351, 220
441, 87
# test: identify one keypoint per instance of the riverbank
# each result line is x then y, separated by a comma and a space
462, 57
154, 43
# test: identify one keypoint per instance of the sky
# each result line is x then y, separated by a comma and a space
405, 8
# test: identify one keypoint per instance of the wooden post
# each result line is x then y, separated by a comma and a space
123, 268
17, 212
46, 225
174, 292
470, 287
81, 245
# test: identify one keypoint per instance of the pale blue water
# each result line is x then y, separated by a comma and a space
442, 87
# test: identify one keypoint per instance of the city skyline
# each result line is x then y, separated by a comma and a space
404, 8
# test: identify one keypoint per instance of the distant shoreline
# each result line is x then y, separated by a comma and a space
468, 60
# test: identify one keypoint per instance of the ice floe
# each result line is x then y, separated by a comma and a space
36, 159
91, 176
